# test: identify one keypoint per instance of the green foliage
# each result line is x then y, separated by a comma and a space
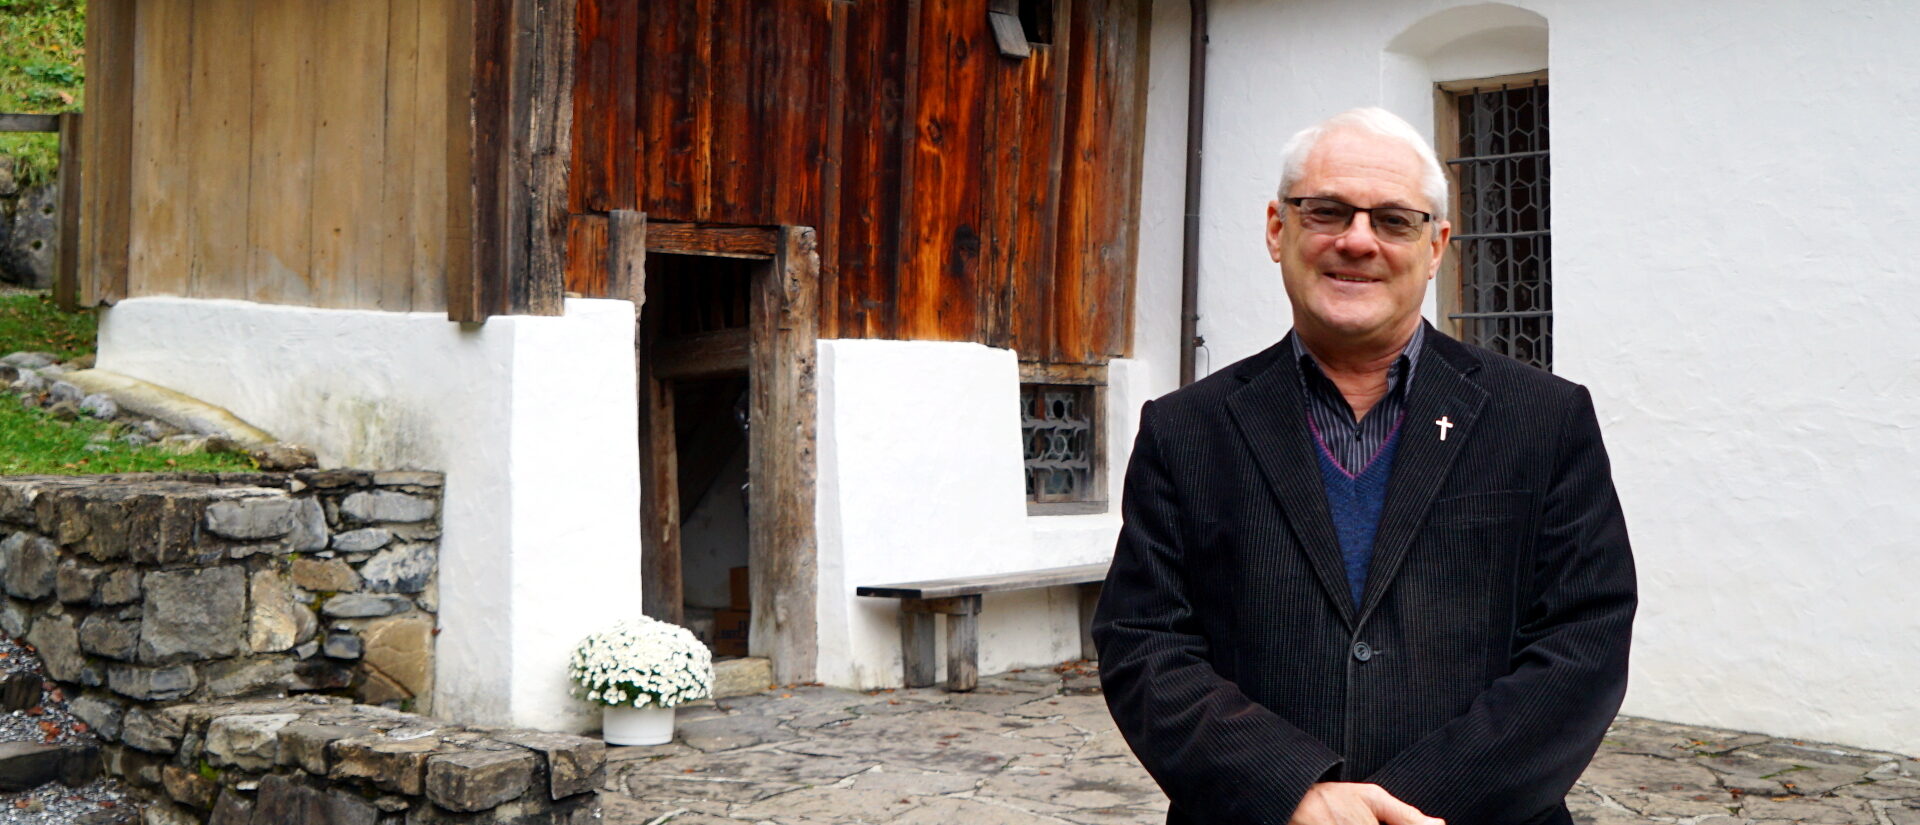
42, 43
29, 321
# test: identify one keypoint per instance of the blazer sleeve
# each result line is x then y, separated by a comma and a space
1220, 756
1525, 740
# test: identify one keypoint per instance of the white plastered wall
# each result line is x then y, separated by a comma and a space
530, 418
920, 478
1729, 197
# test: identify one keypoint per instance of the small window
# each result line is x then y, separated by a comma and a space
1060, 417
1499, 289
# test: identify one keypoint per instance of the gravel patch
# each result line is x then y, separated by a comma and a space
99, 802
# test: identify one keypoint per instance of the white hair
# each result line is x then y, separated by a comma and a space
1433, 180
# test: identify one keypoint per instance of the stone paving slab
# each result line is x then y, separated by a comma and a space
1029, 748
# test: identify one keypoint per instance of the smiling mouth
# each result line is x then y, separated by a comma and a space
1352, 279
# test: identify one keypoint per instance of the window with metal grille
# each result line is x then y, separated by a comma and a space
1499, 293
1060, 414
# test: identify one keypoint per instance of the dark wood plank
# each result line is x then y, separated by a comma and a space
1032, 94
723, 241
992, 583
866, 231
587, 256
780, 463
917, 652
940, 258
836, 79
704, 354
605, 94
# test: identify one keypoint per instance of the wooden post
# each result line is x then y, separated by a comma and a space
916, 646
66, 270
963, 643
660, 577
107, 135
780, 464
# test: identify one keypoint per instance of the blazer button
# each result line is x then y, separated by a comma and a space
1362, 651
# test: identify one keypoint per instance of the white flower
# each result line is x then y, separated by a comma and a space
643, 660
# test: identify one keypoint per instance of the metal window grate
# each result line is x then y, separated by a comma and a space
1056, 424
1501, 237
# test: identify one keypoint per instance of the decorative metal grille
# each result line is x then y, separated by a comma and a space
1056, 422
1501, 237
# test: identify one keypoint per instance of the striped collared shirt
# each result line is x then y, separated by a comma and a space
1354, 443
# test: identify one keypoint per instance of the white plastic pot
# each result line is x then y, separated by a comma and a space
628, 725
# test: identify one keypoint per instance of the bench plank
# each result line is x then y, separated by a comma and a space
995, 583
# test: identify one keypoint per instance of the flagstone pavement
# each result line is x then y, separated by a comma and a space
1037, 748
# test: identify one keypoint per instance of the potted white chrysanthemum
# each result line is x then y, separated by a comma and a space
638, 670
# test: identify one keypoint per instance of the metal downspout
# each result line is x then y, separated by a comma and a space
1190, 242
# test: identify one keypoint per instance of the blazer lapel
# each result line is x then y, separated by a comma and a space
1441, 400
1271, 415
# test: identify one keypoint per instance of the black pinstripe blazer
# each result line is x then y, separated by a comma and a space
1489, 651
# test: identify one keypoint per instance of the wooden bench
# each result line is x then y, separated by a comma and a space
959, 600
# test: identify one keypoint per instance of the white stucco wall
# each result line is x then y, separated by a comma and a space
531, 420
920, 478
1729, 195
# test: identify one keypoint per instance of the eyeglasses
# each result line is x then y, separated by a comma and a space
1325, 216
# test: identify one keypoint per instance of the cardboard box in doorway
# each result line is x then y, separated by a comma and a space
737, 589
730, 632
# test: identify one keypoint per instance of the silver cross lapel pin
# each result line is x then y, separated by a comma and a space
1444, 424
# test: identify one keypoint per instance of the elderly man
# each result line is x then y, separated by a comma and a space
1371, 574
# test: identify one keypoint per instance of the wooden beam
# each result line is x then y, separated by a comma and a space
29, 123
548, 153
703, 355
753, 242
780, 464
627, 256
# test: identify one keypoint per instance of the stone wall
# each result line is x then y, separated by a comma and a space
247, 646
310, 760
156, 588
28, 230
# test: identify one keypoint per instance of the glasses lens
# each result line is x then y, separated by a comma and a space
1321, 215
1397, 224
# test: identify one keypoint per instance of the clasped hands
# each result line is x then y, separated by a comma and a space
1355, 803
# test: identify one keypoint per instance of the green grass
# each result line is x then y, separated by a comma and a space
33, 442
30, 322
41, 46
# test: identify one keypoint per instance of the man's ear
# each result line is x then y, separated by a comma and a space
1276, 223
1442, 232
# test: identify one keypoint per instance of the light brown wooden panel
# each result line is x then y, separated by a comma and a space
107, 165
349, 141
432, 96
281, 178
220, 139
393, 277
162, 105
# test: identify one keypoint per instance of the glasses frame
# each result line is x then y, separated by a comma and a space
1425, 217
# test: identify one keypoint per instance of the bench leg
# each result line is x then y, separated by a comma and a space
963, 645
1089, 598
916, 647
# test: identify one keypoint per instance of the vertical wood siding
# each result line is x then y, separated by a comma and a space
959, 195
285, 151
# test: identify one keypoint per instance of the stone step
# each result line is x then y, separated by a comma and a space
742, 676
28, 765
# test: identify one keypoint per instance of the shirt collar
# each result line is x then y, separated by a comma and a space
1398, 374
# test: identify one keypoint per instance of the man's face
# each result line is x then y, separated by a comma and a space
1356, 287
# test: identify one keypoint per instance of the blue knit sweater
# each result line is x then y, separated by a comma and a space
1356, 502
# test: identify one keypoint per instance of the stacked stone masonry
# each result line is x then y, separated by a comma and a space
216, 631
